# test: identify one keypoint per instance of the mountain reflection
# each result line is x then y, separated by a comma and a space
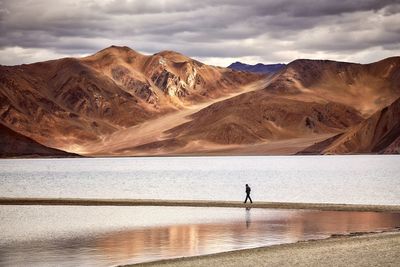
152, 243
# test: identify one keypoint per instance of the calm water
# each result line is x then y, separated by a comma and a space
109, 236
335, 179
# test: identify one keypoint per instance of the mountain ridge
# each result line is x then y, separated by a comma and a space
121, 102
257, 68
67, 102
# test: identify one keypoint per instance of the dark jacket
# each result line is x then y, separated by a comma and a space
248, 189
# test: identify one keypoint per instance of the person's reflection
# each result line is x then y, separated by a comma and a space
248, 220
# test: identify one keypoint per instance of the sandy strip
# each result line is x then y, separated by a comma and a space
368, 250
195, 203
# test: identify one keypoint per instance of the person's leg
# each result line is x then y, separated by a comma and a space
245, 201
251, 201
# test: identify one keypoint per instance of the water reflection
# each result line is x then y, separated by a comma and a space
257, 228
248, 220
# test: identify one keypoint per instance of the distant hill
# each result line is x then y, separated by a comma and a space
13, 144
258, 68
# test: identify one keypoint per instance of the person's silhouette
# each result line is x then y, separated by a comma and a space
248, 190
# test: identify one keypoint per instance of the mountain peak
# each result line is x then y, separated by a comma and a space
116, 50
173, 56
113, 53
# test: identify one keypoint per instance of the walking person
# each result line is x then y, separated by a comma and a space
248, 190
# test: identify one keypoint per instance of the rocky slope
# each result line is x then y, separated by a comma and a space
13, 144
368, 87
257, 116
165, 75
380, 133
68, 102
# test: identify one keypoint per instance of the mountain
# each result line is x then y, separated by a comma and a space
121, 102
307, 102
268, 117
366, 87
167, 74
69, 102
13, 144
380, 133
258, 68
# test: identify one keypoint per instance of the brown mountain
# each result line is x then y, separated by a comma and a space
253, 123
13, 144
307, 102
68, 102
380, 133
120, 102
366, 87
166, 76
258, 116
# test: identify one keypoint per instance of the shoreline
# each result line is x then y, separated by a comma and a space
197, 203
353, 249
188, 155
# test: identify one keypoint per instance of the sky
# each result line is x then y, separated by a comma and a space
214, 32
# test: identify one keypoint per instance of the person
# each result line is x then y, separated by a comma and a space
248, 190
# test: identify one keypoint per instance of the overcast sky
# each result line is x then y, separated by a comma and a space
215, 32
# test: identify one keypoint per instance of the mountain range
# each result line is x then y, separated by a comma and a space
119, 102
257, 68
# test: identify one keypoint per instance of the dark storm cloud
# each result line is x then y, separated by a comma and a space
316, 8
259, 29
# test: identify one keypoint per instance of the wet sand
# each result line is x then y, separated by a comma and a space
381, 249
196, 203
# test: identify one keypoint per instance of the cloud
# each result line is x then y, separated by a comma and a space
213, 31
10, 55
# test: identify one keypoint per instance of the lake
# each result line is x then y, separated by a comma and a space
108, 236
366, 179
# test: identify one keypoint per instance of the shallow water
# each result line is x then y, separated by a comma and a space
108, 236
337, 179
